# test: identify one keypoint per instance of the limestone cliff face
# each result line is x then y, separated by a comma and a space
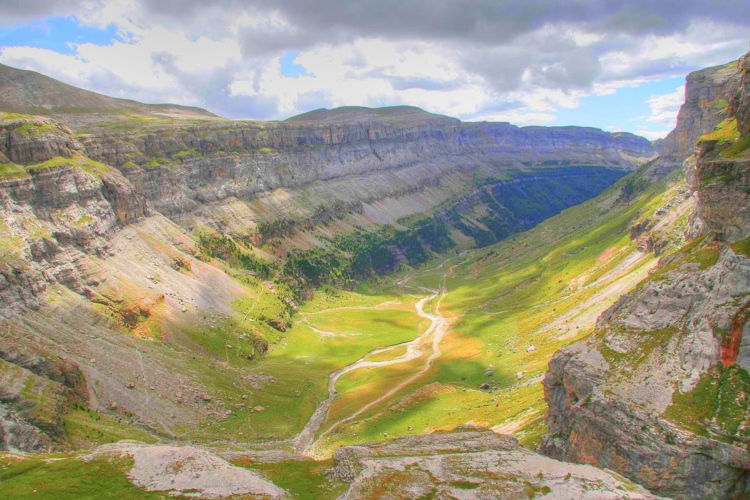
67, 194
707, 93
52, 218
660, 392
720, 176
178, 168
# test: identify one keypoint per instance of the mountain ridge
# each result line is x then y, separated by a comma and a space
29, 92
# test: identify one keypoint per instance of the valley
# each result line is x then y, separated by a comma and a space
357, 298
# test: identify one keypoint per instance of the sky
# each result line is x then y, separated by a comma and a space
612, 64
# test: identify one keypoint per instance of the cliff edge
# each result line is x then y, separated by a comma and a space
660, 392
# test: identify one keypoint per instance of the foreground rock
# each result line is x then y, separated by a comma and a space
187, 471
470, 464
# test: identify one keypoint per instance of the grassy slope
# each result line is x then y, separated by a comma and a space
543, 288
514, 305
66, 476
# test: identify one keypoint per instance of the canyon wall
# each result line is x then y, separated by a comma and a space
660, 392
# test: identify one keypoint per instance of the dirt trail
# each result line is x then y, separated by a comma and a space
439, 325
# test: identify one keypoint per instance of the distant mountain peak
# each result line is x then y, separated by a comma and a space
362, 113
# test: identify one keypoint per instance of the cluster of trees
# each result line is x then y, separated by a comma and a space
321, 215
234, 253
359, 255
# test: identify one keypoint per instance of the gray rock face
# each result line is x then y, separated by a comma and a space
707, 93
469, 464
28, 141
719, 175
656, 393
188, 472
609, 397
211, 163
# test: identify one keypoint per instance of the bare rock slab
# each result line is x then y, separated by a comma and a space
190, 472
473, 464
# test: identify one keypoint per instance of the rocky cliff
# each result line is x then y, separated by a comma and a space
707, 95
179, 168
660, 392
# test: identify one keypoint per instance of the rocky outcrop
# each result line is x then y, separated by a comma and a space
35, 393
51, 220
612, 398
34, 140
660, 391
707, 95
184, 471
472, 463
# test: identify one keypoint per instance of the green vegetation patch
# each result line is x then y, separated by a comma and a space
741, 247
717, 407
724, 132
35, 129
87, 428
11, 171
154, 163
67, 477
647, 343
83, 220
304, 479
84, 163
720, 103
15, 116
190, 153
706, 257
737, 149
57, 161
236, 253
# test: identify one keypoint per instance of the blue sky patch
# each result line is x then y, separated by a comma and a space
56, 33
624, 109
289, 68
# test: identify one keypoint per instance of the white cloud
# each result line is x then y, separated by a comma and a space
664, 108
651, 135
227, 59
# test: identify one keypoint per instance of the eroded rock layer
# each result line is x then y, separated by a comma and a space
660, 392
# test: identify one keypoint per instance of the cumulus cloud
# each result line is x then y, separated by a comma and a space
664, 108
475, 59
